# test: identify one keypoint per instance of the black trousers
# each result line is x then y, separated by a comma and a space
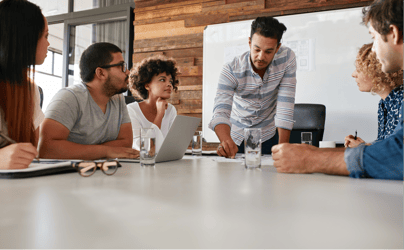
265, 147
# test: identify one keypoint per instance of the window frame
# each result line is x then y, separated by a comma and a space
98, 15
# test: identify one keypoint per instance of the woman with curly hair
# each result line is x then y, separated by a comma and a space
153, 79
370, 78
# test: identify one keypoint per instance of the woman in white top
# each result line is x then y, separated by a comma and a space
153, 80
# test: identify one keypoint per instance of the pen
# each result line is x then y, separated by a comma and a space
7, 138
11, 141
356, 133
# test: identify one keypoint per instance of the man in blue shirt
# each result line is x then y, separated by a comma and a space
383, 159
256, 90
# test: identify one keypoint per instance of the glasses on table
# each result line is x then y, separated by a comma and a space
87, 168
123, 65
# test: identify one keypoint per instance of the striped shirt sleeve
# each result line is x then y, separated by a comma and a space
286, 95
224, 98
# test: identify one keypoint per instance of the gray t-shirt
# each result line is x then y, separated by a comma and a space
75, 108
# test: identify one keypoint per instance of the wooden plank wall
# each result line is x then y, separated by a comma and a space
174, 28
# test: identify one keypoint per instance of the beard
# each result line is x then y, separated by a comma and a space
262, 62
110, 89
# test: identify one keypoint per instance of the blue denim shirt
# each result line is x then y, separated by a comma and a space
381, 160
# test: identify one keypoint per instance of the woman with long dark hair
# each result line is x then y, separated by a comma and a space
23, 44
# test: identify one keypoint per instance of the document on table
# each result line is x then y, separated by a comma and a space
204, 152
266, 160
39, 168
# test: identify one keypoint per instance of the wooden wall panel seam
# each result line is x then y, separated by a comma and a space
172, 5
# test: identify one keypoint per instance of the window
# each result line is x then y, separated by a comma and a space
49, 75
93, 4
71, 32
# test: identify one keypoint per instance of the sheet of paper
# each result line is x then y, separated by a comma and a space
205, 152
38, 166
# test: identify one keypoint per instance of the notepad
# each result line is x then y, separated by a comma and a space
39, 168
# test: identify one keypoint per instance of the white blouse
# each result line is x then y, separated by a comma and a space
139, 121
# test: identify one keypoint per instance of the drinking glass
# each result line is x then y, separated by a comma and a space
197, 143
252, 147
147, 147
306, 138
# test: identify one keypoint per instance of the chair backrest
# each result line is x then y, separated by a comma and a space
129, 99
40, 95
308, 118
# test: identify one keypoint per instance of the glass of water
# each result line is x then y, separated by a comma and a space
252, 147
306, 138
197, 143
147, 147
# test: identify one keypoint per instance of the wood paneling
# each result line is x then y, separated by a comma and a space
158, 44
174, 28
190, 70
185, 61
185, 81
167, 29
190, 87
200, 20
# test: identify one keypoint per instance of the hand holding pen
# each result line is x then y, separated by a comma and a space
16, 155
353, 141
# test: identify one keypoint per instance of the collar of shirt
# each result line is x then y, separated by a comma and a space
395, 94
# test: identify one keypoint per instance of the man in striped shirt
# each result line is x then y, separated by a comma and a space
256, 90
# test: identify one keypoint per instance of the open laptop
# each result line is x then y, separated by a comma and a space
177, 140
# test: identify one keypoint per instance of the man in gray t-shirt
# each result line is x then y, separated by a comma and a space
90, 120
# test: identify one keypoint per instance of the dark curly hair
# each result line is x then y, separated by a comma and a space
382, 13
143, 72
367, 63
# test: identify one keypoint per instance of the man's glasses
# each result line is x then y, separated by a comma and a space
122, 64
87, 168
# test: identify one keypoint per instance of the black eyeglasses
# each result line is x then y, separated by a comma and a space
122, 64
87, 168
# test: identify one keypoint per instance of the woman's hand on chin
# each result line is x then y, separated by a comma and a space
161, 105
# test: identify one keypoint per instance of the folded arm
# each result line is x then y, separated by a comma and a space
53, 144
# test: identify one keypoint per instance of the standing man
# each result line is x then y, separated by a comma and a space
90, 120
383, 159
256, 90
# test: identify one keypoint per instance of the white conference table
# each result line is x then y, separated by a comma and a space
200, 203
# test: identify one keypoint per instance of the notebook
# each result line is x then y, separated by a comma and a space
39, 168
177, 140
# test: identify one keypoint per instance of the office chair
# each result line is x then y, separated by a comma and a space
308, 118
129, 99
40, 95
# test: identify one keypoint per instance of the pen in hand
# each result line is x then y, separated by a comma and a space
7, 138
12, 141
356, 134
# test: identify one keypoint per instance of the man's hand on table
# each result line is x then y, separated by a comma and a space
293, 158
227, 148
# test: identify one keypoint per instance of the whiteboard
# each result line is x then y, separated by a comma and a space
326, 44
